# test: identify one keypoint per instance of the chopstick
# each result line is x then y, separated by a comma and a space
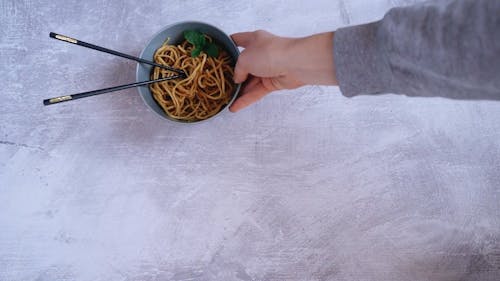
106, 90
113, 52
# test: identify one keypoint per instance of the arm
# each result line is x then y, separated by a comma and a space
445, 48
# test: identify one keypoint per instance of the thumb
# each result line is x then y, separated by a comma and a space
242, 39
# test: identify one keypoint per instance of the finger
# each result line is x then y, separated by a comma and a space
257, 92
250, 83
240, 73
242, 39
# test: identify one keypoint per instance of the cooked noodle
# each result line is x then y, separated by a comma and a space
206, 90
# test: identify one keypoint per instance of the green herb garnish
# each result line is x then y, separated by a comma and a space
200, 44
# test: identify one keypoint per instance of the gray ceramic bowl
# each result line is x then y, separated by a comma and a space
175, 33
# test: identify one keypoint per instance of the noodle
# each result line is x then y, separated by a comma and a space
207, 88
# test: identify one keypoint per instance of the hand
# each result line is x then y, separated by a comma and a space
270, 63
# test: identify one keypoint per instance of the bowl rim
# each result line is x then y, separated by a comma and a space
225, 108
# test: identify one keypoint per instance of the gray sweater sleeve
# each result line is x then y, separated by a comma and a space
444, 48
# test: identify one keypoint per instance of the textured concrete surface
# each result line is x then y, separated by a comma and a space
305, 185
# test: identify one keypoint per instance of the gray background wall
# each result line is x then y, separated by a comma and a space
305, 185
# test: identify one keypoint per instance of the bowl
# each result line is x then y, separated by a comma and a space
175, 34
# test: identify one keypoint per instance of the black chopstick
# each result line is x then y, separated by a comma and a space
106, 90
109, 51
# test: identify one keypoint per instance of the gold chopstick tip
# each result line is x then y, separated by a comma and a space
66, 38
60, 99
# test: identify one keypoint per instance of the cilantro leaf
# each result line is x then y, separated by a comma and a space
198, 40
195, 52
212, 50
191, 36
